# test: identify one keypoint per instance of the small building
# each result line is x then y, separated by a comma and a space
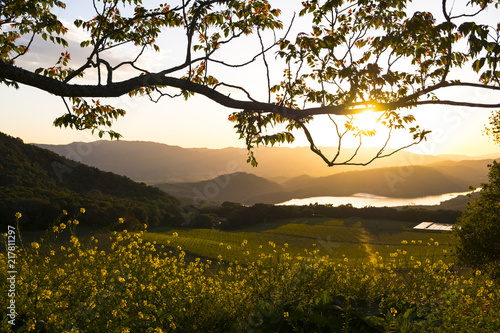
432, 226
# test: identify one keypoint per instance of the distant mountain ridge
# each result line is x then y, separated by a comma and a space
155, 163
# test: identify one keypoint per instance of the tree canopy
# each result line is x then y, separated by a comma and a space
479, 227
353, 56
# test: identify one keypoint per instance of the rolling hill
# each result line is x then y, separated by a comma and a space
40, 184
407, 182
473, 172
238, 187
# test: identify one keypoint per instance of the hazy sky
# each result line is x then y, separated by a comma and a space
28, 113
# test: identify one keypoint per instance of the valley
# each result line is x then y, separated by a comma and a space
35, 180
212, 176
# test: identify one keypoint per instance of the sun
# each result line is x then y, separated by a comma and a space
367, 127
368, 120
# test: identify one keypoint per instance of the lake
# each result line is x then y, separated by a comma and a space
360, 200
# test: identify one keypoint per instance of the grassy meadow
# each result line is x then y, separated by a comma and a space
360, 240
296, 275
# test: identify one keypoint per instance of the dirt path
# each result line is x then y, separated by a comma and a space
366, 242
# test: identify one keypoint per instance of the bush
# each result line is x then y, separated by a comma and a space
479, 227
204, 221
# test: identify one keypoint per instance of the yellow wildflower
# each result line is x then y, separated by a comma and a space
82, 210
35, 245
18, 215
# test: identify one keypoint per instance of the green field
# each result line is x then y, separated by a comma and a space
359, 240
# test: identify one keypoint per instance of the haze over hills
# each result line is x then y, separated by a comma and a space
155, 163
471, 171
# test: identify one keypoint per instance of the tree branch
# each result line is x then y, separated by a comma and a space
117, 89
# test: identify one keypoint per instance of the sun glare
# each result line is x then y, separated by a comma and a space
367, 121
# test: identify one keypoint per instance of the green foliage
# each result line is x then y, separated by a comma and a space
205, 221
479, 227
91, 117
28, 18
493, 128
251, 126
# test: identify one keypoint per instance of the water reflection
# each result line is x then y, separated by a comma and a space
360, 200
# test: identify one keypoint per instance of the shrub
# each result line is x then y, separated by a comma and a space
479, 227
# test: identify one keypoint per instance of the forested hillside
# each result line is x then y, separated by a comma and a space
40, 184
